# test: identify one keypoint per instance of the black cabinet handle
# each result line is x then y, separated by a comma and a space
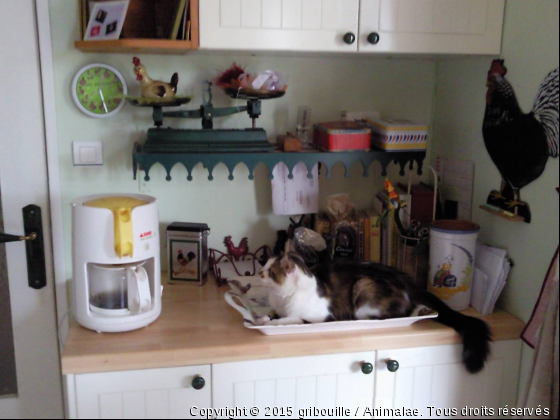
392, 365
374, 38
198, 383
349, 38
367, 368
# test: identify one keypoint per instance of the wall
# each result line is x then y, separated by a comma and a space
397, 88
531, 52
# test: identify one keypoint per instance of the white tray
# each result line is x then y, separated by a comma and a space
250, 298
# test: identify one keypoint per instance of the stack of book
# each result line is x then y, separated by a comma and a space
364, 223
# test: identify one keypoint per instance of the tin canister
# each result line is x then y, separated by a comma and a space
187, 250
452, 259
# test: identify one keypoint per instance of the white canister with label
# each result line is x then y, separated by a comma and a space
452, 258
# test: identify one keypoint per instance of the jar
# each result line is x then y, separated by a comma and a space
187, 250
452, 260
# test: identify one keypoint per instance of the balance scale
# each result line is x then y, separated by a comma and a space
208, 139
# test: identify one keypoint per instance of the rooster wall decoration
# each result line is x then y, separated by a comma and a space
518, 143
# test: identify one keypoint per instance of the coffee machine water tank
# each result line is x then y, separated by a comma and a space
116, 260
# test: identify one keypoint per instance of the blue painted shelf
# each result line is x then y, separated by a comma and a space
145, 161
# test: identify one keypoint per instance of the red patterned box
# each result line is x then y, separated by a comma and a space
342, 136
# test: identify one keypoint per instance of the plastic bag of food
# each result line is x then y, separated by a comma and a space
310, 238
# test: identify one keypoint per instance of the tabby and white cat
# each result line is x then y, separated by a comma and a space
351, 290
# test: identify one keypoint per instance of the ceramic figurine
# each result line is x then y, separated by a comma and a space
519, 144
153, 88
237, 252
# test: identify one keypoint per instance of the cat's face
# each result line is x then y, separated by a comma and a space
283, 273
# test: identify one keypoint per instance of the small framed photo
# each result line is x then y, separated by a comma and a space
106, 20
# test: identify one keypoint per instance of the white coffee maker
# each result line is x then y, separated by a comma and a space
116, 259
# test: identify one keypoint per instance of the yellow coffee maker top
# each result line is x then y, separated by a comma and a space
121, 207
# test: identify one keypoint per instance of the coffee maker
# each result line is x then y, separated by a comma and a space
116, 260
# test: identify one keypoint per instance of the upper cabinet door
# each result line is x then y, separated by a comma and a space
282, 25
431, 26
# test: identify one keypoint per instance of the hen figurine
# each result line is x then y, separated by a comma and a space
237, 252
153, 88
518, 143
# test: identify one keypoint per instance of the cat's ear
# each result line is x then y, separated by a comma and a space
288, 266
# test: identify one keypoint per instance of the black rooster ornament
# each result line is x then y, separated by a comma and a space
519, 144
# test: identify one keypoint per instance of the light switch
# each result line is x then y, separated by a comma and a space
88, 153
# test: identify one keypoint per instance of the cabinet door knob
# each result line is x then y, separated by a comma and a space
367, 368
374, 38
392, 365
349, 38
198, 383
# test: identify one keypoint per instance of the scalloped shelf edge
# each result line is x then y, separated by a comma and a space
145, 161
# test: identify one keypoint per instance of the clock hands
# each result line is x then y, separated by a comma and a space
102, 97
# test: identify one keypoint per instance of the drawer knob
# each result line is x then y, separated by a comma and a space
349, 38
367, 368
374, 38
392, 365
198, 383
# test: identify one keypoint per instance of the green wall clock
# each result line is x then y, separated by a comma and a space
98, 90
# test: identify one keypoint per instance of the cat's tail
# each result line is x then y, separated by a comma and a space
475, 332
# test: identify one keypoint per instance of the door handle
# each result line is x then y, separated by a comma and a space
5, 238
34, 246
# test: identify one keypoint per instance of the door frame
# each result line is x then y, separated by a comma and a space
53, 168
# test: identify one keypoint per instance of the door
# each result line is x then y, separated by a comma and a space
175, 393
280, 388
431, 26
435, 376
33, 388
281, 25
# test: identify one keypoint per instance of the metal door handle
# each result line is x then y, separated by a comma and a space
34, 246
5, 238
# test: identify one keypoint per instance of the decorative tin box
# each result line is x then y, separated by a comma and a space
187, 247
341, 136
398, 135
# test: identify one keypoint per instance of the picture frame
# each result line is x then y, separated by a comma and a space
106, 20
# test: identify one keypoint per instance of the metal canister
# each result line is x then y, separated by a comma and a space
187, 250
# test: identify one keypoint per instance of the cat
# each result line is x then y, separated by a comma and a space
348, 290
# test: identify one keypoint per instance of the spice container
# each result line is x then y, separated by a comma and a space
187, 247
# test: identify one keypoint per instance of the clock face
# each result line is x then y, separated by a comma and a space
98, 90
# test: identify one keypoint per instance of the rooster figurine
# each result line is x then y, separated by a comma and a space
153, 88
518, 143
237, 252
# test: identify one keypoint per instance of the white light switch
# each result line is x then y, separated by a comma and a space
88, 153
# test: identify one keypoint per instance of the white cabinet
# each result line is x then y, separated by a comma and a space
290, 25
431, 26
280, 388
322, 382
141, 394
380, 26
436, 377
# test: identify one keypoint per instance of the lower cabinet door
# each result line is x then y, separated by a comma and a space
285, 388
143, 394
435, 377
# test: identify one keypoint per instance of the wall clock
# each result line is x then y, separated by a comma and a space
98, 90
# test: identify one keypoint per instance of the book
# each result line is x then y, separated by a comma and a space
179, 13
374, 237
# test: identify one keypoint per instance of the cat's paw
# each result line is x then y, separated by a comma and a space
285, 321
262, 320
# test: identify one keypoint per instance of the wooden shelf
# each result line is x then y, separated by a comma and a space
502, 214
144, 46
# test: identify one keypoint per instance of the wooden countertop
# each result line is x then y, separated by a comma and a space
197, 327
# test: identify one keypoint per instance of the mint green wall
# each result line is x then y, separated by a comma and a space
531, 52
397, 88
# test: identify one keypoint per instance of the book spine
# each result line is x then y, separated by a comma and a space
367, 236
361, 239
375, 240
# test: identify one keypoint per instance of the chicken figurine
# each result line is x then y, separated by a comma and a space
519, 144
154, 88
